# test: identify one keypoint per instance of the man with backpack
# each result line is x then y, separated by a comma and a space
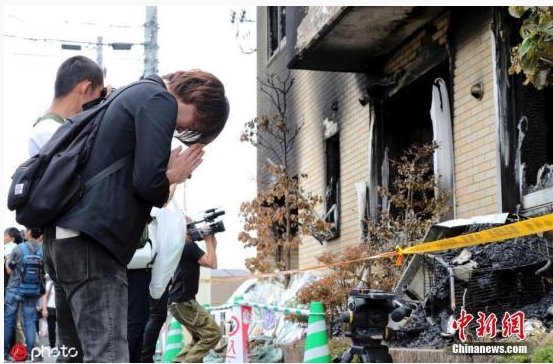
25, 286
79, 81
89, 244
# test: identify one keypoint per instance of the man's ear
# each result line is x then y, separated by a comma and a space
84, 87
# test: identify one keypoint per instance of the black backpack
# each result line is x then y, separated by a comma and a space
48, 184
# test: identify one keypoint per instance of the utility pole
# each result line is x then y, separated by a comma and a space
100, 54
150, 43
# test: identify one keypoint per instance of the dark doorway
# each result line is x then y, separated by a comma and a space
406, 115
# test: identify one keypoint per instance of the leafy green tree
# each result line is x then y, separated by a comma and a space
534, 55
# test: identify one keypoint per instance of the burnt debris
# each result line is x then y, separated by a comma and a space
514, 275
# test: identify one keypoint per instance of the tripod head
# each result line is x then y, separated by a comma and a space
368, 314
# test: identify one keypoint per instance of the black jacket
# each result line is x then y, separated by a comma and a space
140, 122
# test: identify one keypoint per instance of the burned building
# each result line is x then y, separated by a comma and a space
370, 81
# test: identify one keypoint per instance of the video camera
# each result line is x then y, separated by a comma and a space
368, 315
197, 234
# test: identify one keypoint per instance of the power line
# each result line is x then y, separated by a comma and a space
116, 44
57, 55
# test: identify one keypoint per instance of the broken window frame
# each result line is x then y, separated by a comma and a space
332, 177
442, 130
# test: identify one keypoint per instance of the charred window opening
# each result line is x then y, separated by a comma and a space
331, 214
277, 28
332, 203
535, 128
533, 113
279, 230
406, 120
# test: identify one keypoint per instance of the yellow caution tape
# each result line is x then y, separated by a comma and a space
399, 253
295, 271
521, 228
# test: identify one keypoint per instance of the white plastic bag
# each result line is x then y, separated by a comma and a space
141, 258
168, 230
43, 328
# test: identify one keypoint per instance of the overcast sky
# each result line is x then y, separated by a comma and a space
188, 37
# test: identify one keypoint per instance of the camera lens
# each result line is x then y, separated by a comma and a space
347, 317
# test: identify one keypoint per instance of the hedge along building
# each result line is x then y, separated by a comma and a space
370, 81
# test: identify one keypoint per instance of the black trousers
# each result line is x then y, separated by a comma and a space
137, 316
51, 321
158, 315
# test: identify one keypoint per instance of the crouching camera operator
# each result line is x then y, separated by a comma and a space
204, 331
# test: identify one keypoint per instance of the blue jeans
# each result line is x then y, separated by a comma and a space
12, 301
91, 299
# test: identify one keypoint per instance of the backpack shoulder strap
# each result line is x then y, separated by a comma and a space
52, 116
112, 168
24, 249
117, 92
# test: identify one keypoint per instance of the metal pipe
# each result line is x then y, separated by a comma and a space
410, 293
544, 268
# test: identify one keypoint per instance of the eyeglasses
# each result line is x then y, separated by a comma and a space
189, 137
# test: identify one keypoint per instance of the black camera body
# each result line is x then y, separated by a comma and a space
367, 314
103, 96
197, 234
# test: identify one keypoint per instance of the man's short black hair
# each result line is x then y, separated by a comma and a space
74, 70
36, 233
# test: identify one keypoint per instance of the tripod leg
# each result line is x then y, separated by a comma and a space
347, 356
365, 358
376, 355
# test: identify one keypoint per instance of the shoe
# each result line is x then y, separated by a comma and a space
8, 359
